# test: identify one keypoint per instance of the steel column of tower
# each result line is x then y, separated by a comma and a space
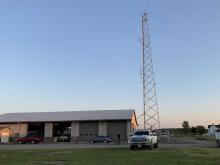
150, 114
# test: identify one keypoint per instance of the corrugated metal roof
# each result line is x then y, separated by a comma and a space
67, 116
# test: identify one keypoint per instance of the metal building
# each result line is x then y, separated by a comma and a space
81, 126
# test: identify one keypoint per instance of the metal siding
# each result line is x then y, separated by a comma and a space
115, 128
87, 130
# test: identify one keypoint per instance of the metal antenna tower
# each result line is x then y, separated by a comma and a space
150, 114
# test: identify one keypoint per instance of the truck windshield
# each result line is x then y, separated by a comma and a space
141, 133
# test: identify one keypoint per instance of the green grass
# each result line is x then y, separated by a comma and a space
172, 156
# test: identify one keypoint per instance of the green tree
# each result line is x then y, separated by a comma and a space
194, 130
185, 126
201, 129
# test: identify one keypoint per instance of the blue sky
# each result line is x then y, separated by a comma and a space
80, 55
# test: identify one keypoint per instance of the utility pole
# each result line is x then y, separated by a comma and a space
150, 106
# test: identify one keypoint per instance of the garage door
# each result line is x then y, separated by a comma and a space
115, 128
5, 137
87, 131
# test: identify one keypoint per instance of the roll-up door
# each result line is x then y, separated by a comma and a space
87, 131
117, 128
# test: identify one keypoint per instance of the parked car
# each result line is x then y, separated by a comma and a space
33, 140
65, 135
32, 137
101, 139
64, 138
143, 139
217, 135
163, 135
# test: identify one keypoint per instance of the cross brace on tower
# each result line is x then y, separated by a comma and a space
150, 106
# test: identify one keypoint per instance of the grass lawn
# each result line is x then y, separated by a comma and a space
164, 156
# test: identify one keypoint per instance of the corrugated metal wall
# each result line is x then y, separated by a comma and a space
115, 128
87, 131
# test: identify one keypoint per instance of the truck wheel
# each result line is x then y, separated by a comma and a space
218, 143
132, 147
19, 142
32, 142
151, 146
156, 145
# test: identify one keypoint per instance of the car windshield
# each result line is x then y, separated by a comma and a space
141, 133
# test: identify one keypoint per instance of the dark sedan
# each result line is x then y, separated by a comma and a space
101, 139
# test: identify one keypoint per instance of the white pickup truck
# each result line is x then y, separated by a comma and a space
217, 135
143, 139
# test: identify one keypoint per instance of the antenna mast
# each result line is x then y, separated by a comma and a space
150, 114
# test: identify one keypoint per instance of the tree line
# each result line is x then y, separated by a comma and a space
198, 130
